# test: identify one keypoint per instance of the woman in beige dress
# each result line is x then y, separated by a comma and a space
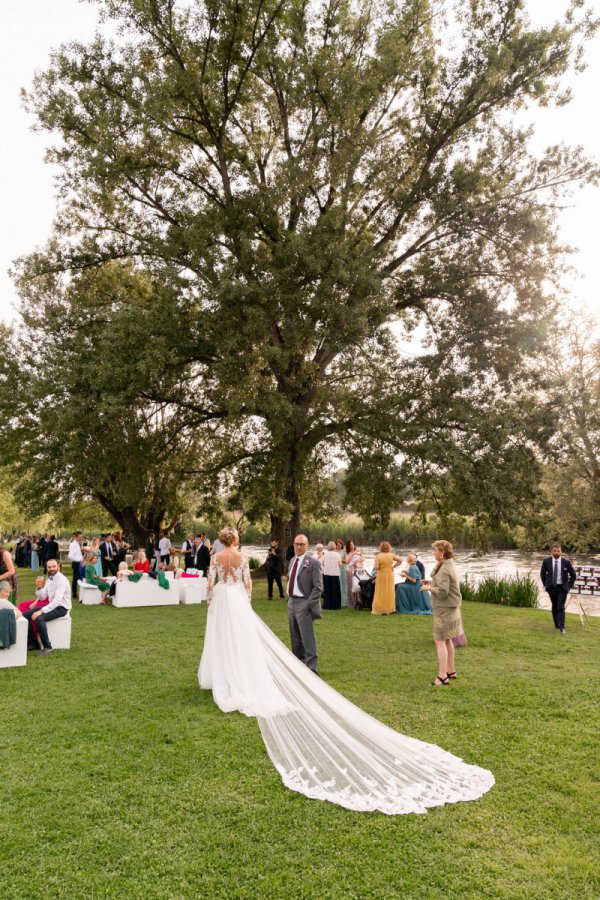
446, 599
384, 599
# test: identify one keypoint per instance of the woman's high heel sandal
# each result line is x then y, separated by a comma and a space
452, 676
439, 681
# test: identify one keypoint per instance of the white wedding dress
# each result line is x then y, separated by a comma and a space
321, 744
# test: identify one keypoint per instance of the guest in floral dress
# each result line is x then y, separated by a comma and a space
354, 561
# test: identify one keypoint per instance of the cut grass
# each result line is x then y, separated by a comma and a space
122, 779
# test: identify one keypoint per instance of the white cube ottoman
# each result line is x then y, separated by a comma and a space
89, 594
16, 655
192, 590
59, 632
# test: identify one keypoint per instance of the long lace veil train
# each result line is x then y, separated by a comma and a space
322, 745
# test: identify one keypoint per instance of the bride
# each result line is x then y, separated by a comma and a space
321, 744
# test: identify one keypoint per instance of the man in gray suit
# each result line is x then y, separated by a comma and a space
304, 589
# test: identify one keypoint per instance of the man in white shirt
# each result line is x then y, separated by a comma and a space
57, 591
164, 546
217, 547
75, 556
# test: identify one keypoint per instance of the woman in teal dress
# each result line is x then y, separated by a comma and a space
410, 600
91, 576
339, 546
95, 548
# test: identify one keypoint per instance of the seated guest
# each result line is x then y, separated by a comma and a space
8, 634
123, 572
57, 591
33, 604
142, 563
91, 575
177, 571
418, 563
410, 600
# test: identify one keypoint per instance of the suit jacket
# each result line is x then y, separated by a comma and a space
568, 573
104, 549
202, 558
309, 580
51, 551
446, 581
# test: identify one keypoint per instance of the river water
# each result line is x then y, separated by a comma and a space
500, 562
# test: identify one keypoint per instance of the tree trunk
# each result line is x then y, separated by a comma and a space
132, 522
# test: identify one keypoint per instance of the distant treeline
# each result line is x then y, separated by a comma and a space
402, 531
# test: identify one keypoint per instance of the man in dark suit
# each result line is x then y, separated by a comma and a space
304, 589
51, 550
558, 577
274, 567
149, 548
201, 560
187, 548
108, 552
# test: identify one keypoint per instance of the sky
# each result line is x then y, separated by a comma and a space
29, 29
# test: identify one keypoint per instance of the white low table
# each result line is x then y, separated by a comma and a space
145, 592
16, 655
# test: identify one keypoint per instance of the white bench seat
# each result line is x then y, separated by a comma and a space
145, 592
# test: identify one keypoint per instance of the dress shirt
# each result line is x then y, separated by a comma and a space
217, 546
299, 560
164, 546
57, 591
75, 554
556, 571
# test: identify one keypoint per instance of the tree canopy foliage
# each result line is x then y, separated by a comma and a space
300, 183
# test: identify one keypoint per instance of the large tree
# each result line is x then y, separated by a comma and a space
77, 422
572, 475
303, 180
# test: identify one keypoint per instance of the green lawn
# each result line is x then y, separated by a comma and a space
120, 778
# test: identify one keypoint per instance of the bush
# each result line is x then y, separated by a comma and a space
468, 592
517, 590
253, 563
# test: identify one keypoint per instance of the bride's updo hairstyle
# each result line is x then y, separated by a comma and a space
228, 536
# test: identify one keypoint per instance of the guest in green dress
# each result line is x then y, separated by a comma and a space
91, 576
339, 546
410, 600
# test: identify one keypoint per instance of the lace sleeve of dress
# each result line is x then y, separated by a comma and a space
211, 579
246, 577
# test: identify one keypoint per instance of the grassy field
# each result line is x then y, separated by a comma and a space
121, 779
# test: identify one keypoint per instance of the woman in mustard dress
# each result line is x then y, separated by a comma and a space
384, 600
